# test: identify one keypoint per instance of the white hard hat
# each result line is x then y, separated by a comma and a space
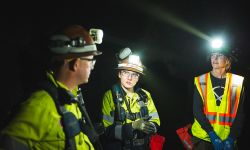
132, 63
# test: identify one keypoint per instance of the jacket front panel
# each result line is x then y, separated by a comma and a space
109, 108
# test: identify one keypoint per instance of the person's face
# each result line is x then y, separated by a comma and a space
86, 64
128, 78
219, 61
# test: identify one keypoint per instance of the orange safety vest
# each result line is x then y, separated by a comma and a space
220, 117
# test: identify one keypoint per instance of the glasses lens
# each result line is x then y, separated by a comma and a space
129, 74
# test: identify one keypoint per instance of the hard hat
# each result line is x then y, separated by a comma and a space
123, 53
75, 41
228, 52
218, 46
132, 63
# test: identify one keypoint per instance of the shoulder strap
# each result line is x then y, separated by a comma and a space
142, 100
118, 99
89, 130
143, 96
50, 88
66, 116
117, 93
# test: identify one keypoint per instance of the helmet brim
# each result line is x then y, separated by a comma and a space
75, 55
232, 57
130, 69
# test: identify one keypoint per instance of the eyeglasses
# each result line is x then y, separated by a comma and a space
216, 55
93, 60
130, 74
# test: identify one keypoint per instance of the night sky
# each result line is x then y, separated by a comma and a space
170, 36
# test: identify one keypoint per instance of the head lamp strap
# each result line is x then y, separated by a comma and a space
76, 42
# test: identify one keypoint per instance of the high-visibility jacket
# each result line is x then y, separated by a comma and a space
108, 109
38, 124
220, 117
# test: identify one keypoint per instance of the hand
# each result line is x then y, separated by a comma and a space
216, 141
228, 144
144, 125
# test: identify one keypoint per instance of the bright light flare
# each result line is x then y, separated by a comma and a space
134, 59
217, 43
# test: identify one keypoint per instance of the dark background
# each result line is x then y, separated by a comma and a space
169, 35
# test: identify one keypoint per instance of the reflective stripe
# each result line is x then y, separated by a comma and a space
226, 120
126, 65
211, 118
202, 80
203, 88
133, 116
141, 103
108, 118
137, 115
154, 115
233, 99
118, 132
85, 48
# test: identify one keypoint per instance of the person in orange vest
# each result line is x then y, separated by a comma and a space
218, 103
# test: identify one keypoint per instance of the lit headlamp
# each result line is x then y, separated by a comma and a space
218, 46
132, 63
217, 43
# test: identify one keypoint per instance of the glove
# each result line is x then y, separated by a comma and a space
155, 129
216, 141
144, 125
228, 144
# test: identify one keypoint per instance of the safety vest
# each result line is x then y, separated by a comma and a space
110, 107
220, 117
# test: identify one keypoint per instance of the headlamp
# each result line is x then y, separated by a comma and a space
218, 46
217, 43
134, 59
97, 35
124, 53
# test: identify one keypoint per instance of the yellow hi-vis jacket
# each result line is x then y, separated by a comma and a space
220, 117
108, 109
38, 124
